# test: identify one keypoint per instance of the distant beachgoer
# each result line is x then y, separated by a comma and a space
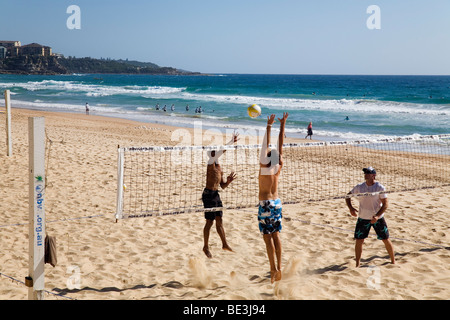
172, 108
87, 108
165, 108
187, 107
157, 106
310, 132
347, 118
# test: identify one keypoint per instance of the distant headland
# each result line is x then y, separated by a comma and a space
37, 59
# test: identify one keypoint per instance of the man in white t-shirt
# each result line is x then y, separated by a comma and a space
371, 213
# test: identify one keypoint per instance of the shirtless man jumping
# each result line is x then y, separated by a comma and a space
211, 197
269, 212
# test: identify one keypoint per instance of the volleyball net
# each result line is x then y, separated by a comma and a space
170, 180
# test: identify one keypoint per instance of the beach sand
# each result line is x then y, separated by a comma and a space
162, 257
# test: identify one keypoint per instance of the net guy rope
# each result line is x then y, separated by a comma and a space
156, 181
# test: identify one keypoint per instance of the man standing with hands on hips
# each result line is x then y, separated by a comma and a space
371, 213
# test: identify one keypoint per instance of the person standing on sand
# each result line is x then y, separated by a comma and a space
371, 213
87, 108
211, 197
310, 132
270, 209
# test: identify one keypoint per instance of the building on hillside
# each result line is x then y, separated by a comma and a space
3, 52
35, 49
14, 49
8, 44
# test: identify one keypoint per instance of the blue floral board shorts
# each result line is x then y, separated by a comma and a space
363, 227
269, 216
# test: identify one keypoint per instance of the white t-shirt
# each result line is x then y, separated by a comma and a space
370, 204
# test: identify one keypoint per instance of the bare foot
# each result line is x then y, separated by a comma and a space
272, 276
206, 251
275, 276
278, 275
227, 247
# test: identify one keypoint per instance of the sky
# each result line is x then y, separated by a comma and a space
244, 36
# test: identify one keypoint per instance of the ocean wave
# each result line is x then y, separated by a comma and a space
361, 106
337, 105
93, 90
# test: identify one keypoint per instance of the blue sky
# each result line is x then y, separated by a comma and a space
244, 36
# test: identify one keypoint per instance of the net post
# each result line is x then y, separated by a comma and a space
120, 164
8, 123
36, 216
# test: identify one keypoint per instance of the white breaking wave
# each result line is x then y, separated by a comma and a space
340, 105
93, 90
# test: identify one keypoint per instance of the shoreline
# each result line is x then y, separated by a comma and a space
206, 131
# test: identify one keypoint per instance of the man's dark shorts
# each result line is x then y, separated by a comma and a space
363, 227
211, 199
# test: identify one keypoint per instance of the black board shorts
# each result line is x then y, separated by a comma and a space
211, 199
363, 227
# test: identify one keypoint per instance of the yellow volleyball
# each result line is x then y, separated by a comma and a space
254, 111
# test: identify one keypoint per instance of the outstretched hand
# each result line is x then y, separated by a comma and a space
285, 116
235, 136
231, 177
270, 119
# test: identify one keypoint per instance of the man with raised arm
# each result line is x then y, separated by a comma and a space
269, 211
211, 197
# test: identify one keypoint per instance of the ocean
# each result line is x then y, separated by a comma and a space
340, 107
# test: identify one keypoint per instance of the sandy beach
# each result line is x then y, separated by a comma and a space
161, 258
